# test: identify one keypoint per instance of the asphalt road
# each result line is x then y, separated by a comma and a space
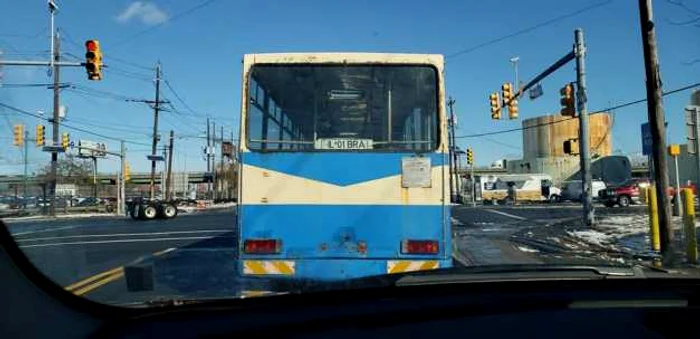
194, 256
87, 255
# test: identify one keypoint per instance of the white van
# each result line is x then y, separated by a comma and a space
528, 187
572, 190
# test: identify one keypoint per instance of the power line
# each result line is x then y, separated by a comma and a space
179, 98
528, 29
70, 126
478, 135
172, 19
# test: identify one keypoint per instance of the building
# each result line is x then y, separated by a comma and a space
543, 145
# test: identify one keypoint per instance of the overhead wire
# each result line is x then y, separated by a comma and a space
529, 29
72, 127
607, 109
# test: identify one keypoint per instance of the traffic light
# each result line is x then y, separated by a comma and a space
65, 140
93, 60
495, 102
508, 99
567, 100
18, 135
571, 146
40, 135
507, 90
513, 109
470, 156
127, 171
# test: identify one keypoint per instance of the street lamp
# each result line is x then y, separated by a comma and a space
514, 61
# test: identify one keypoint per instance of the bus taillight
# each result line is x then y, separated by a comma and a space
419, 247
262, 246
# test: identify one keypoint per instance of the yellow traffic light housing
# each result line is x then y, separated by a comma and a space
507, 90
127, 171
65, 140
93, 60
40, 135
567, 100
18, 134
470, 156
571, 147
495, 103
513, 109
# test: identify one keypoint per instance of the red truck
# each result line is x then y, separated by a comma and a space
630, 192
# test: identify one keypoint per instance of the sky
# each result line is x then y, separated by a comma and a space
200, 46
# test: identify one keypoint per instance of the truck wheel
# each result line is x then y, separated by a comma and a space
168, 211
149, 212
554, 198
623, 201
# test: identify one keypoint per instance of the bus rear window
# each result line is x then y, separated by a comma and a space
342, 108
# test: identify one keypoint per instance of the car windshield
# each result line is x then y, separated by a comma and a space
200, 150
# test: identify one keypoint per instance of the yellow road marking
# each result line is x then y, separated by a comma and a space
93, 282
91, 279
400, 267
118, 275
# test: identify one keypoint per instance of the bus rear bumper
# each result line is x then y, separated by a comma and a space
336, 269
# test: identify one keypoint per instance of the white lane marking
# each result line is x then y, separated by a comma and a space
120, 235
122, 241
43, 231
517, 217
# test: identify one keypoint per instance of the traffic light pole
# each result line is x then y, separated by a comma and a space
168, 183
122, 180
584, 135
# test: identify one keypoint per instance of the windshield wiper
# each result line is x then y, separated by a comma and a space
520, 273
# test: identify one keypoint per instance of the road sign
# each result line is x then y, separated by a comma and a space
692, 116
58, 149
92, 149
155, 158
536, 92
646, 138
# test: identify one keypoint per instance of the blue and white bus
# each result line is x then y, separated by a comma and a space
343, 165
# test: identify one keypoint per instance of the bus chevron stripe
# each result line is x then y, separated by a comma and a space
268, 267
400, 266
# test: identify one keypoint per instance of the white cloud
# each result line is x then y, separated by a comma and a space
146, 12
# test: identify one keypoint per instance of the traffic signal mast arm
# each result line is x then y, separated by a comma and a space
561, 62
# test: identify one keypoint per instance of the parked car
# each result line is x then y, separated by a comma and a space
624, 194
90, 202
572, 190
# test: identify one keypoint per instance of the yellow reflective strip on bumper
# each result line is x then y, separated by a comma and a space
253, 267
400, 266
268, 267
429, 265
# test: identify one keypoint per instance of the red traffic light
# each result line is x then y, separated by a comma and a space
91, 45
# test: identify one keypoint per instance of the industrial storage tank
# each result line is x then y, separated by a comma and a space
544, 136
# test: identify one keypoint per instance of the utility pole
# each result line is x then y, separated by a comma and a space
221, 167
122, 179
450, 146
656, 125
26, 154
584, 134
94, 177
208, 153
213, 159
156, 107
56, 108
455, 155
168, 184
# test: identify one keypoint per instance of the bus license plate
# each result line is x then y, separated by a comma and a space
343, 144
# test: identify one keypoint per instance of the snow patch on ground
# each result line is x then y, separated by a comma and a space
593, 237
456, 222
527, 249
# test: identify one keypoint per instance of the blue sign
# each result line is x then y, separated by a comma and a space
646, 139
